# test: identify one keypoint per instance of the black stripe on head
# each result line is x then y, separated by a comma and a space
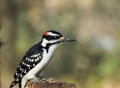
52, 35
55, 32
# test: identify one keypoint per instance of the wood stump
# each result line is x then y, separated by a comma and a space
51, 84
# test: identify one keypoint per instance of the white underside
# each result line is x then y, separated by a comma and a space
46, 58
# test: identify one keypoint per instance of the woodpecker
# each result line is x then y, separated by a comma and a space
37, 57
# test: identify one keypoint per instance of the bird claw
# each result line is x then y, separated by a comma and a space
47, 80
44, 80
51, 79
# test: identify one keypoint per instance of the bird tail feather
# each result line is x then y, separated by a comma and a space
13, 84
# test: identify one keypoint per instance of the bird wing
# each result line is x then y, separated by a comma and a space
29, 61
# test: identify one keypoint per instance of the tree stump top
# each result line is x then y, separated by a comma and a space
51, 84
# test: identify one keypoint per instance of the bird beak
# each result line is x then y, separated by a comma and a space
63, 39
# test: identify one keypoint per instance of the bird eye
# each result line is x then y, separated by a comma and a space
55, 37
49, 37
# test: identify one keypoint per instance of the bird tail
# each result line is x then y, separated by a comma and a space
13, 84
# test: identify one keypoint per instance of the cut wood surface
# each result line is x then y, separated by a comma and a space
51, 84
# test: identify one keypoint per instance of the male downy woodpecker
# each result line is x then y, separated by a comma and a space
37, 57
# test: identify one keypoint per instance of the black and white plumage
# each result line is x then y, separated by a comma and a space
37, 57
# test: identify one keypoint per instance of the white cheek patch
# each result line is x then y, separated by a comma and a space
46, 42
53, 41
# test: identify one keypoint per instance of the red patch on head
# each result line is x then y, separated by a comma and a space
46, 34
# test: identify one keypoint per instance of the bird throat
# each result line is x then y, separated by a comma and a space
47, 45
50, 45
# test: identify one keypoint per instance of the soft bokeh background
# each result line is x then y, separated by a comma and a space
92, 62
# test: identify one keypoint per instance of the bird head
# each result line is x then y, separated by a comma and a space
54, 38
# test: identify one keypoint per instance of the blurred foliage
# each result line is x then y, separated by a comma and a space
92, 62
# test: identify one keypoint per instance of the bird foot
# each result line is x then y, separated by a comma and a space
32, 80
51, 79
48, 80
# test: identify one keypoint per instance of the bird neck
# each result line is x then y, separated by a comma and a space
48, 46
44, 42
